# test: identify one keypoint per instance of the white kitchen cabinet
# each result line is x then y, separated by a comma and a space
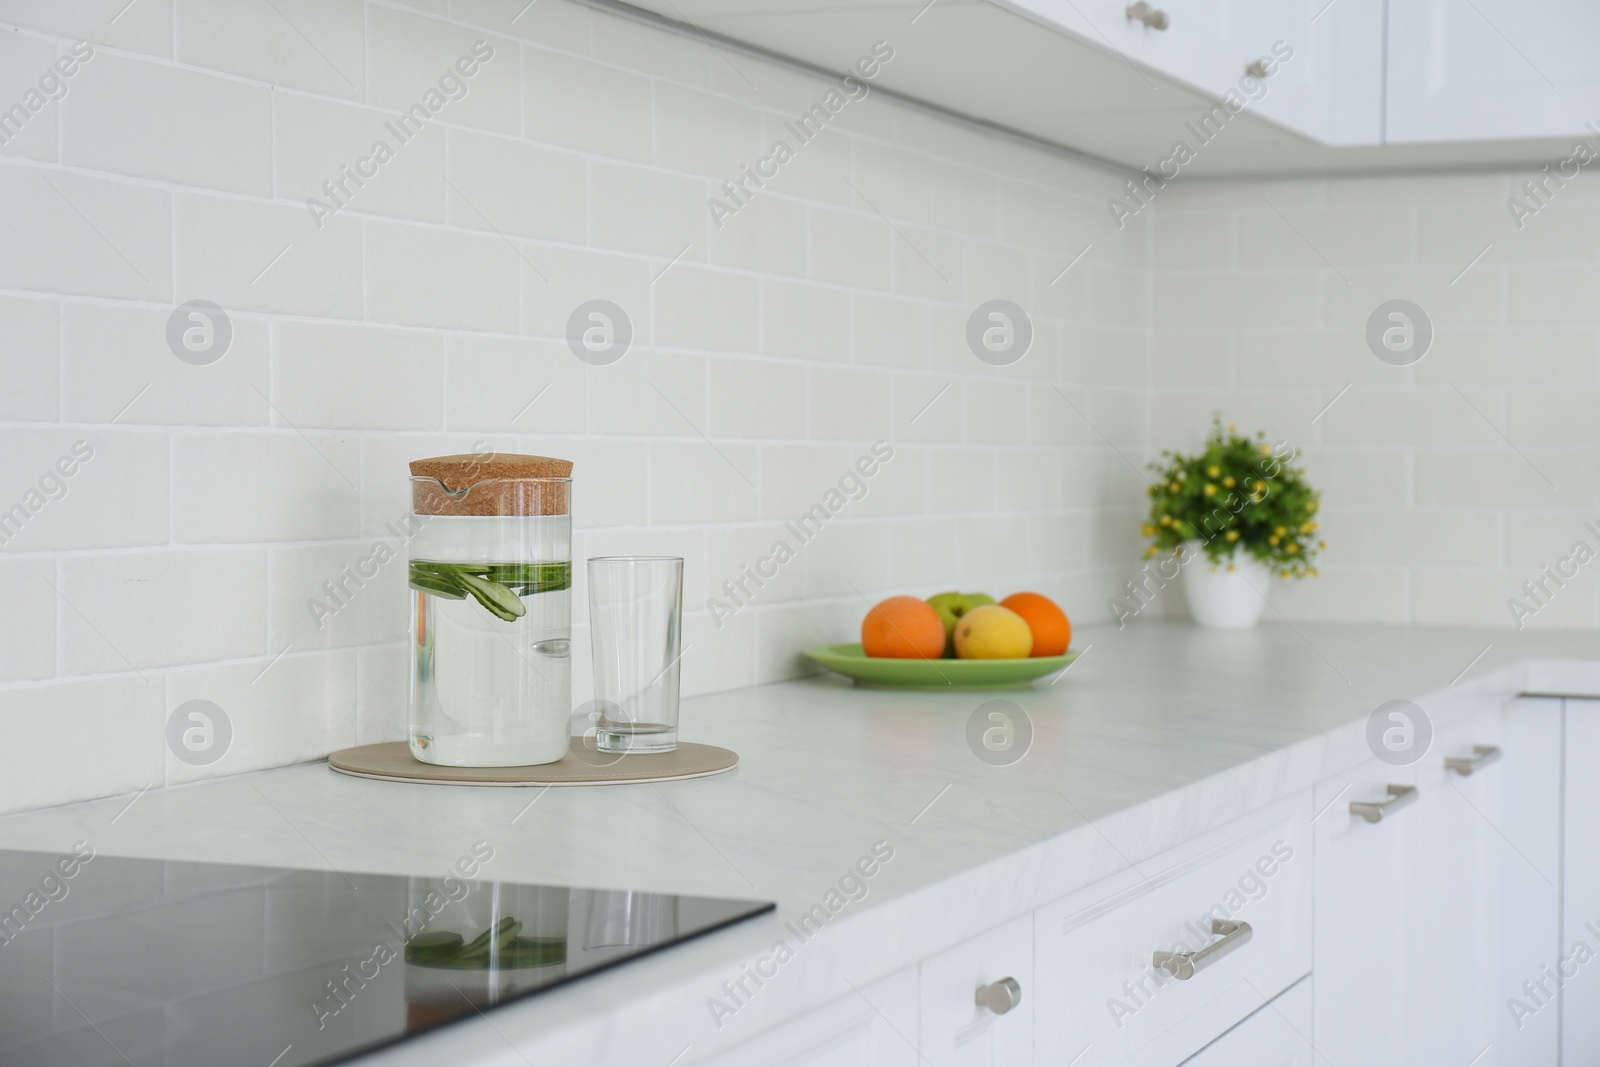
1487, 69
958, 1032
1485, 915
1578, 970
1101, 999
1277, 1035
1365, 874
1431, 918
877, 1028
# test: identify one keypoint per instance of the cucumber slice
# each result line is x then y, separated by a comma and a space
428, 583
500, 601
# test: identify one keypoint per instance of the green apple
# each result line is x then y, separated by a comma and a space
951, 606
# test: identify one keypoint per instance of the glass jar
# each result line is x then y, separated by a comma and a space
491, 610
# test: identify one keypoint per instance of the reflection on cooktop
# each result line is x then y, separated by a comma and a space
113, 961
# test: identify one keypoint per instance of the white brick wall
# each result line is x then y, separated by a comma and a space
429, 312
1448, 483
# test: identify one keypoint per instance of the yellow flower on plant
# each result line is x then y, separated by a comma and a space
1166, 520
1211, 490
1213, 471
1229, 482
1150, 551
1261, 486
1273, 540
1322, 544
1147, 530
1293, 548
1176, 487
1232, 535
1280, 531
1266, 449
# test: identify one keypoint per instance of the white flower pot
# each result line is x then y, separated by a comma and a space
1230, 595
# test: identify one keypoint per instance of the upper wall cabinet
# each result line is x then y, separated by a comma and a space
1492, 69
1211, 86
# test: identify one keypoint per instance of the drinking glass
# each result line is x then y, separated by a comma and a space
635, 629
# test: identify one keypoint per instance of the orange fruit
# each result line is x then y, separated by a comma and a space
903, 627
1052, 630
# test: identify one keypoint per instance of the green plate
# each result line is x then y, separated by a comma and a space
849, 661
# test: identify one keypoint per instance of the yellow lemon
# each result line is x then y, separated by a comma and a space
993, 632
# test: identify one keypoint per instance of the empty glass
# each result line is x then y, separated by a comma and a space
635, 630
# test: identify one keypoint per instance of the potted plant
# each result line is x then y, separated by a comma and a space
1233, 514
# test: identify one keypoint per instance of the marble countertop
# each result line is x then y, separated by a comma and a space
1158, 733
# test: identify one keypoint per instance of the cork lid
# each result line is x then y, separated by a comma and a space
490, 483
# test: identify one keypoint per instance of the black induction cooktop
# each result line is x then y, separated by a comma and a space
113, 961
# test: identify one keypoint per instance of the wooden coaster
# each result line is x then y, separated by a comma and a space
582, 765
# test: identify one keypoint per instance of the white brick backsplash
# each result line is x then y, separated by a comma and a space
698, 307
852, 248
82, 488
425, 276
756, 399
795, 477
28, 627
416, 60
701, 481
357, 377
30, 363
768, 234
143, 28
702, 133
287, 710
338, 594
383, 679
116, 364
849, 403
71, 233
343, 155
501, 384
425, 311
511, 187
122, 717
804, 321
267, 257
136, 611
569, 277
267, 486
315, 45
652, 392
28, 123
564, 26
636, 209
576, 103
139, 117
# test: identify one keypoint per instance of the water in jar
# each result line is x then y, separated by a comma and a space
492, 661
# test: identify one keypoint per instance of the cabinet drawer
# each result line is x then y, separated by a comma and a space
1101, 996
872, 1028
1277, 1034
956, 1030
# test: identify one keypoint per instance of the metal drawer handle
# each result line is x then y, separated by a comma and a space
1373, 810
1153, 17
1182, 965
1001, 996
1482, 756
